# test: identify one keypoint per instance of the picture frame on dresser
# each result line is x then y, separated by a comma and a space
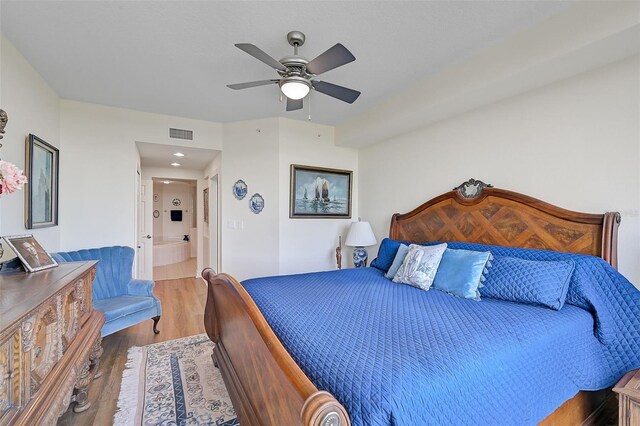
320, 193
30, 252
41, 191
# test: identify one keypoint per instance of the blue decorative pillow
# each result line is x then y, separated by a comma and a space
386, 254
397, 262
461, 272
532, 282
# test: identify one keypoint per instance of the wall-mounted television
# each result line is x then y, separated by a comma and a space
176, 215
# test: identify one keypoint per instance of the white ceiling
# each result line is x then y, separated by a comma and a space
176, 57
172, 181
159, 155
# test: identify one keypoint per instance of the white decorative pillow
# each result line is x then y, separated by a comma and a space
420, 266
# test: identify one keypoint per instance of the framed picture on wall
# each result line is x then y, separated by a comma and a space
318, 192
30, 252
41, 193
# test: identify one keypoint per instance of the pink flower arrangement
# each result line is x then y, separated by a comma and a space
11, 177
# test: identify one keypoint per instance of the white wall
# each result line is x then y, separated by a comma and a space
250, 245
32, 107
308, 245
98, 167
186, 194
260, 152
575, 143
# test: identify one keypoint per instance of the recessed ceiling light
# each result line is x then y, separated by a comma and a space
175, 164
167, 182
178, 154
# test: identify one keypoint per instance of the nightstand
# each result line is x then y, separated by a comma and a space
629, 389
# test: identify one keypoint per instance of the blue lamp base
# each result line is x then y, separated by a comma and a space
360, 257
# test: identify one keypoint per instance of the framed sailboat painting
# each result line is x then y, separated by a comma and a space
318, 192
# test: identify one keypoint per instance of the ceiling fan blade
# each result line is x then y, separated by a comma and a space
260, 55
250, 84
294, 104
343, 93
335, 57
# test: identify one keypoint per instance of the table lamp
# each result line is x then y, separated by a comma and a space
360, 235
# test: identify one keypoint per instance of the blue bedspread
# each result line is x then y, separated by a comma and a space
393, 354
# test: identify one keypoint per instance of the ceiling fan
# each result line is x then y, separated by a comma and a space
297, 73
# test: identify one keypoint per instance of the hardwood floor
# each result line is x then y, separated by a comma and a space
186, 269
183, 303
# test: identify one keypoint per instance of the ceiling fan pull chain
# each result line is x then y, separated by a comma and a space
309, 106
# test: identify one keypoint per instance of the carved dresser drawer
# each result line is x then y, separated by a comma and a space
49, 342
628, 389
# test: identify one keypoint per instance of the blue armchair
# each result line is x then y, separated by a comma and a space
125, 301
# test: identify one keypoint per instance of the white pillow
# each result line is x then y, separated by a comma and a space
420, 266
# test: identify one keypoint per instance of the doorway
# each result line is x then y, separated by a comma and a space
175, 230
143, 259
179, 166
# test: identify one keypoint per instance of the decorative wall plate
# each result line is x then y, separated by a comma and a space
256, 203
156, 197
156, 214
176, 202
240, 189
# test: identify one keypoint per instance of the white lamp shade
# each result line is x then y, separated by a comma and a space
295, 89
360, 235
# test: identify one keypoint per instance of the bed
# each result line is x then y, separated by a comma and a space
267, 386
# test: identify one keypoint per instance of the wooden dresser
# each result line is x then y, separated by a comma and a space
49, 342
629, 389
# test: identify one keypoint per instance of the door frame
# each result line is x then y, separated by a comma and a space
214, 231
144, 268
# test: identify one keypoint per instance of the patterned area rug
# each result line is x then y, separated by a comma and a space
173, 383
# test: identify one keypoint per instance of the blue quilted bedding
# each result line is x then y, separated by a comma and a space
393, 354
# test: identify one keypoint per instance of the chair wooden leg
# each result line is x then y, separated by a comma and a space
155, 324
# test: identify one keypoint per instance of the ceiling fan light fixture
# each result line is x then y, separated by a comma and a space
295, 87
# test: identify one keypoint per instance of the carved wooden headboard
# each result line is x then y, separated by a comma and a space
477, 212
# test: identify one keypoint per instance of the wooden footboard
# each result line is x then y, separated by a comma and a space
265, 384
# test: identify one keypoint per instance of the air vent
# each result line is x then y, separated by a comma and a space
181, 134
